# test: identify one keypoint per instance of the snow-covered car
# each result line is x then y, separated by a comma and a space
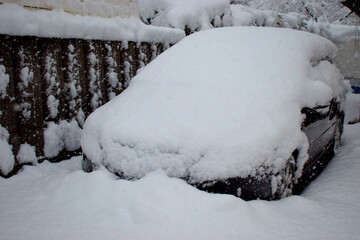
241, 110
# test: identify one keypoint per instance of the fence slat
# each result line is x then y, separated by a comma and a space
74, 84
52, 79
7, 98
28, 92
94, 75
112, 68
128, 61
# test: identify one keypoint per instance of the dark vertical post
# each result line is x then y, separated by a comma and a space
94, 75
8, 118
74, 84
28, 92
112, 68
52, 79
129, 62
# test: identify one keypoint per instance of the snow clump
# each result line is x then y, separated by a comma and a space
27, 154
7, 160
65, 135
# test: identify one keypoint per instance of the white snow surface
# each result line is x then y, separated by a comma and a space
60, 201
218, 104
16, 20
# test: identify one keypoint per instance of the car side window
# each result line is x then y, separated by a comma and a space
314, 114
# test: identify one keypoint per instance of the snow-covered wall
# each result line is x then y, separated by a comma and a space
102, 8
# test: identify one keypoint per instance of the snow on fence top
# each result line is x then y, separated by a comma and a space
16, 20
102, 8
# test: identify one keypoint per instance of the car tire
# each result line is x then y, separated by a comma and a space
285, 180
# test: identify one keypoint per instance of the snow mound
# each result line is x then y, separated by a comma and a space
195, 15
218, 104
15, 20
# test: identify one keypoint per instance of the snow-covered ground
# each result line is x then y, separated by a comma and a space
60, 201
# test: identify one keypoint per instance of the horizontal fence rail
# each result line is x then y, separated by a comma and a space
53, 84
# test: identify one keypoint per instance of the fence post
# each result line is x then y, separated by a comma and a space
52, 79
28, 92
94, 75
128, 61
112, 68
74, 84
8, 118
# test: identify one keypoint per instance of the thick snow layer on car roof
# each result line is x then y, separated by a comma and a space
216, 105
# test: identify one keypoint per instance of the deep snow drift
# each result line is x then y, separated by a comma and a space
218, 104
60, 201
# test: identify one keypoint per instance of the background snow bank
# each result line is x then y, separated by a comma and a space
60, 201
102, 8
216, 105
15, 20
250, 16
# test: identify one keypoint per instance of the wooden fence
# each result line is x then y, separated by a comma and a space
51, 80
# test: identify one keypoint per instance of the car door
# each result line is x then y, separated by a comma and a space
319, 126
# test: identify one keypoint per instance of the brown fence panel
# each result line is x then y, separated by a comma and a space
74, 83
8, 118
52, 79
94, 75
145, 54
156, 50
112, 67
128, 61
28, 92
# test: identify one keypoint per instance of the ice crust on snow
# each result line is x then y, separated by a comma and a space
216, 105
15, 20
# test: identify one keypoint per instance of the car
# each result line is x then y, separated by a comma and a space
248, 111
355, 85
